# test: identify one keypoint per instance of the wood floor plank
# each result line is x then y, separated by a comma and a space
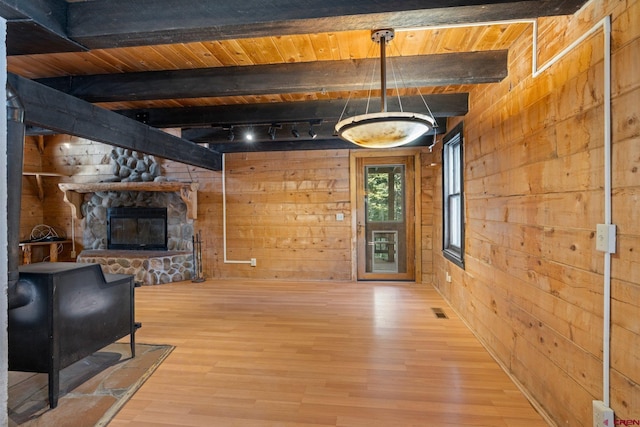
261, 353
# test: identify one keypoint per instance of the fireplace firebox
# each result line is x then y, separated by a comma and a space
137, 228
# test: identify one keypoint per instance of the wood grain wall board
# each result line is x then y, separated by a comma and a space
537, 147
559, 393
572, 209
518, 237
623, 395
626, 263
572, 247
625, 360
624, 294
326, 182
625, 122
569, 320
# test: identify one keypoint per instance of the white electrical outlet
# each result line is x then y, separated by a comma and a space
254, 262
447, 277
340, 216
606, 238
602, 415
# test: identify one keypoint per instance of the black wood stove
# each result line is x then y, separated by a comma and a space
70, 311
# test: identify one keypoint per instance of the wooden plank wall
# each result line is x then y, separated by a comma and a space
430, 161
532, 289
281, 208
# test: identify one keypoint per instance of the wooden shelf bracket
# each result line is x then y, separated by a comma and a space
38, 184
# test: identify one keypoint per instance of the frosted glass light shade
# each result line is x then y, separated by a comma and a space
385, 129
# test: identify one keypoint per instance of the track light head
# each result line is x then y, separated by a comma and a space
272, 132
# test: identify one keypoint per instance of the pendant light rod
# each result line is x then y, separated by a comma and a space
382, 37
383, 74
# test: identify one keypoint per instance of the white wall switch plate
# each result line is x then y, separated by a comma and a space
340, 216
606, 238
602, 415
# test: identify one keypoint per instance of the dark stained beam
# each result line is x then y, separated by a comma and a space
51, 109
441, 105
308, 145
328, 76
117, 23
48, 13
245, 147
36, 26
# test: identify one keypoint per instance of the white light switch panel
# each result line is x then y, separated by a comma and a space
602, 415
606, 238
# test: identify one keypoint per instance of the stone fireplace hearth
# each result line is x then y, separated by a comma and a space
148, 267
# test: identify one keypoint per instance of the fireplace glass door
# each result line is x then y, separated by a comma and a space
137, 228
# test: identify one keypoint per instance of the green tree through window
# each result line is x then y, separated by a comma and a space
385, 195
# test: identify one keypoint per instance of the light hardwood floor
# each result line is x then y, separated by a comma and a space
258, 353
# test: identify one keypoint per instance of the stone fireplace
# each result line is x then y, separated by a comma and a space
97, 205
92, 202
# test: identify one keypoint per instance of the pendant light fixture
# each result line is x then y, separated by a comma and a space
384, 129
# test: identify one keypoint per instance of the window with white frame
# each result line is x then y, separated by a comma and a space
452, 197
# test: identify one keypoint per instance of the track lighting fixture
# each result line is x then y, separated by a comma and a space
272, 132
260, 132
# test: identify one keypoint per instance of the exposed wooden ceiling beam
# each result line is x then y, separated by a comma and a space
307, 145
47, 26
36, 26
51, 109
441, 105
117, 23
48, 13
329, 76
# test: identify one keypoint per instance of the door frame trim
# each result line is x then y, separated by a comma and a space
417, 194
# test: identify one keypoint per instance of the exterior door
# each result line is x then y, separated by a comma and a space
385, 218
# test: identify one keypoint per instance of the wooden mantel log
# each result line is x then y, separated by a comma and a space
188, 192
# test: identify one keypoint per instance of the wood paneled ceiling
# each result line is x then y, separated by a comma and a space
207, 66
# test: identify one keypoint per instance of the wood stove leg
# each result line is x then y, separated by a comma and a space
54, 387
133, 345
134, 325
